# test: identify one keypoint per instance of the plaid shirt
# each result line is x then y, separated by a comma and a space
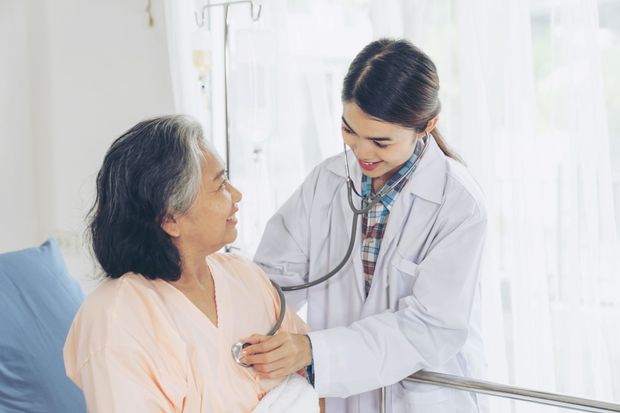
375, 221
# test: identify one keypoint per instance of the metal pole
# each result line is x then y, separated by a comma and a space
200, 22
226, 88
383, 407
513, 392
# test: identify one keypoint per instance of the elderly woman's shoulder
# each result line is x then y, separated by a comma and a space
122, 314
239, 267
114, 290
119, 301
230, 259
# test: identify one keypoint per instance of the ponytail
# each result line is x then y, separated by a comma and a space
444, 147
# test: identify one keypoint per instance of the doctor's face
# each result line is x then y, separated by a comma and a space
381, 148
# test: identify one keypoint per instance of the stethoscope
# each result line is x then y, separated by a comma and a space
367, 204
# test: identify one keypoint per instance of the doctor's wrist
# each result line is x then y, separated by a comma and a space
310, 366
308, 359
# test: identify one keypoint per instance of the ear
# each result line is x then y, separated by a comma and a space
170, 226
431, 124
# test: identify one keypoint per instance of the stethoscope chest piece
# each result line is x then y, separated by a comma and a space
237, 348
237, 353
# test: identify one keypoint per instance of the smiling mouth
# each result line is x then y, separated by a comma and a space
369, 166
231, 220
233, 217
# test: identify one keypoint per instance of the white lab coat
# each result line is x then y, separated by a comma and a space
423, 308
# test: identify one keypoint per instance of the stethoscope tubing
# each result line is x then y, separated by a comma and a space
278, 323
367, 205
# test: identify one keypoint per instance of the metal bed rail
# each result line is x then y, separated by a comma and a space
511, 392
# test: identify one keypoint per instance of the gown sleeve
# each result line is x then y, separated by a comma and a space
124, 355
123, 379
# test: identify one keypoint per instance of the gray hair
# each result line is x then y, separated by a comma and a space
153, 169
187, 185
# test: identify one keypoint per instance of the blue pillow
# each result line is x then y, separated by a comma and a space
38, 300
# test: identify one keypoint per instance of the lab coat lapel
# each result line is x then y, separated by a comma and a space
396, 220
428, 182
355, 262
411, 209
378, 297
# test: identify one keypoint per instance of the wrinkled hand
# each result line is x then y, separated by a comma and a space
277, 356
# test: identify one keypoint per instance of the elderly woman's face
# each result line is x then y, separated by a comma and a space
210, 222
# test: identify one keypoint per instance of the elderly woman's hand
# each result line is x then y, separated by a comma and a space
279, 355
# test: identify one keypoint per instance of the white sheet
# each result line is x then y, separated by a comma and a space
294, 395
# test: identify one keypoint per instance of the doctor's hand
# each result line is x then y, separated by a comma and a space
277, 356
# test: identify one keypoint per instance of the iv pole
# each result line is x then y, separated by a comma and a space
200, 22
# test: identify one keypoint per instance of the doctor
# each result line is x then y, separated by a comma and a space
408, 299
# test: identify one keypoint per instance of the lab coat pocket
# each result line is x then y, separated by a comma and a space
407, 267
402, 278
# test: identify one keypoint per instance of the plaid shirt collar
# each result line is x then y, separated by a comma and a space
388, 199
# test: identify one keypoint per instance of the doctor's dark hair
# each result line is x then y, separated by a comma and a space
396, 82
152, 170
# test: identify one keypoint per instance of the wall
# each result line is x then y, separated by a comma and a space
77, 73
18, 218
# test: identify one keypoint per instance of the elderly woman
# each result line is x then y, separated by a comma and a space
156, 335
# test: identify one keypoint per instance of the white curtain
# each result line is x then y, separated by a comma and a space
524, 104
190, 56
285, 73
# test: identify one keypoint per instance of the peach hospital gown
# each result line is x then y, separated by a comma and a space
139, 345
